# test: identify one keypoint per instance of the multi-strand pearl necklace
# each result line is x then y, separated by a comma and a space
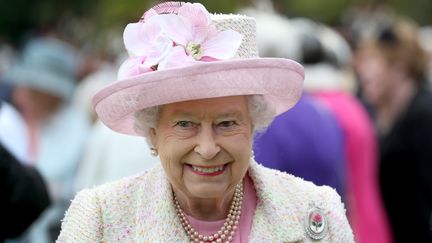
226, 232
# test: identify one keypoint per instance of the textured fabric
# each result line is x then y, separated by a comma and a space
244, 25
245, 224
141, 209
308, 125
366, 212
406, 169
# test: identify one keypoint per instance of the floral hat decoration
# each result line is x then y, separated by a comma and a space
179, 51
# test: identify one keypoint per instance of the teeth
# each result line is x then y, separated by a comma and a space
207, 170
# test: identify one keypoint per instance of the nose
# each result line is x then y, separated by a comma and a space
207, 145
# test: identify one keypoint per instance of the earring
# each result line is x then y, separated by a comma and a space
154, 152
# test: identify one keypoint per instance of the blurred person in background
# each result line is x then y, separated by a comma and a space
108, 155
13, 133
308, 124
329, 77
329, 81
392, 70
24, 195
42, 82
425, 37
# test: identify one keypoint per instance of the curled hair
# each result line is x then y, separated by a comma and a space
146, 119
261, 112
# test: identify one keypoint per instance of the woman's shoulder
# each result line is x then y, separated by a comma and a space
107, 209
127, 187
304, 203
125, 184
294, 191
291, 184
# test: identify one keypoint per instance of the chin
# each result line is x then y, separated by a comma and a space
207, 190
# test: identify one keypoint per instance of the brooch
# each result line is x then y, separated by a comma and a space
316, 223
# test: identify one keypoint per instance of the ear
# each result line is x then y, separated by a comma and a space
153, 137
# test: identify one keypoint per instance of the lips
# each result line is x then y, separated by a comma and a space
207, 170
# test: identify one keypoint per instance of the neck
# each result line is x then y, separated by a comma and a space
396, 104
208, 209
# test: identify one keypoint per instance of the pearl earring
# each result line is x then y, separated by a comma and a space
154, 152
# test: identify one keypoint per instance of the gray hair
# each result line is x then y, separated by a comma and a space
261, 112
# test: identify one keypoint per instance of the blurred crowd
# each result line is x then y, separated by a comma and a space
363, 125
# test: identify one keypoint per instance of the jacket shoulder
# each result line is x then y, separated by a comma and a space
295, 186
125, 187
97, 209
300, 198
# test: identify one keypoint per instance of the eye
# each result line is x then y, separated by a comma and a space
184, 124
227, 124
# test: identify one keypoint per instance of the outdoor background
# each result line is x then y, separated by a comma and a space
84, 21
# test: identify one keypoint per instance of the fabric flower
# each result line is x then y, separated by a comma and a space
165, 41
146, 44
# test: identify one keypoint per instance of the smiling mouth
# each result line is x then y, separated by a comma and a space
208, 170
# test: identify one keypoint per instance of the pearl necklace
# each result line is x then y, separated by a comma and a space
226, 232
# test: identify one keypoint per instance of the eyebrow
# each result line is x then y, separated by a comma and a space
232, 113
229, 113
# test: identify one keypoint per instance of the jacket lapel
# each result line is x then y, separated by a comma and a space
274, 219
158, 221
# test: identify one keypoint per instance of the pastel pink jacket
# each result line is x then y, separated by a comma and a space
140, 209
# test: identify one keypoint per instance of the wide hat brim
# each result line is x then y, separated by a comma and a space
279, 80
42, 80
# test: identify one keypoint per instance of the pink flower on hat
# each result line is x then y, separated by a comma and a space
165, 41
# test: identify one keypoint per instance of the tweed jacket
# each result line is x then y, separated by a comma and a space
140, 209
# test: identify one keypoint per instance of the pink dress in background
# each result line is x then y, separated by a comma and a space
365, 208
245, 224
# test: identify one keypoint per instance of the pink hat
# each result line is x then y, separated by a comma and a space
178, 52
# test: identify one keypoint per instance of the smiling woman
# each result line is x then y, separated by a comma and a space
202, 144
196, 89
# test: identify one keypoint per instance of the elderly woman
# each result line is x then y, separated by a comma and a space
196, 89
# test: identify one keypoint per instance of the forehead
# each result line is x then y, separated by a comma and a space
208, 107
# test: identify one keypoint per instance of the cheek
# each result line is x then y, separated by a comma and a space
172, 166
374, 82
171, 154
242, 158
240, 147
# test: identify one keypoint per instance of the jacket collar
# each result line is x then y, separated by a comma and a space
274, 217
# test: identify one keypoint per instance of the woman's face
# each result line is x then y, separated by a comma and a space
376, 78
205, 145
37, 104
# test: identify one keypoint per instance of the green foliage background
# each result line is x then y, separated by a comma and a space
91, 17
